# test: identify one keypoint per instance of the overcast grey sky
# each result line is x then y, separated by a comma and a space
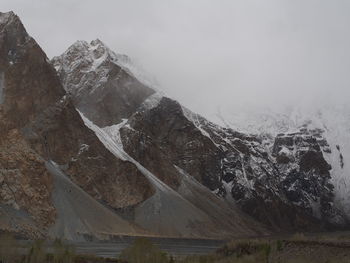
211, 53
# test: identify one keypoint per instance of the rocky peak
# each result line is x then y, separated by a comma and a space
102, 88
28, 83
9, 19
94, 58
12, 36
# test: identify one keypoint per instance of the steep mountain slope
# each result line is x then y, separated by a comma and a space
100, 86
286, 194
79, 215
283, 181
156, 213
113, 156
39, 123
63, 176
330, 122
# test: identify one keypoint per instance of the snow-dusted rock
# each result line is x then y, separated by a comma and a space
101, 82
281, 173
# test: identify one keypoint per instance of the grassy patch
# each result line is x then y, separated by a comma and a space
144, 251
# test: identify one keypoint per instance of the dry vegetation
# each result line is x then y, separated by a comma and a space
296, 249
12, 252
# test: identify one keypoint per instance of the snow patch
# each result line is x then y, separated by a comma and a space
115, 148
105, 139
114, 132
195, 119
334, 120
157, 212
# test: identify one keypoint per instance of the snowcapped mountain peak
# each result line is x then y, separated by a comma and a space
97, 42
92, 70
98, 59
86, 54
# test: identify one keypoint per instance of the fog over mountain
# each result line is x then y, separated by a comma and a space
213, 55
101, 136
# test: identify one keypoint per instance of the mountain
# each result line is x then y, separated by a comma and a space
90, 149
331, 121
98, 83
63, 170
282, 180
40, 125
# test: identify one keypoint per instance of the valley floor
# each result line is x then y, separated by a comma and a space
297, 248
174, 247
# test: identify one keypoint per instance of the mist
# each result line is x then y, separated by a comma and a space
212, 55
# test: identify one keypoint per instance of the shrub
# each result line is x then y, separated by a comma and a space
8, 248
298, 237
144, 251
37, 252
199, 259
246, 250
62, 253
279, 245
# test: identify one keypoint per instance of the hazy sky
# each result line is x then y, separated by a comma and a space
212, 53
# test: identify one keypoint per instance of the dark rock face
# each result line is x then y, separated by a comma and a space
87, 161
288, 189
42, 124
307, 174
99, 86
167, 138
21, 56
25, 183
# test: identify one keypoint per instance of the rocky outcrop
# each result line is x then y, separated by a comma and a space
25, 183
165, 137
306, 182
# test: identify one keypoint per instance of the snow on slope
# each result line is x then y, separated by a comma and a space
158, 212
198, 212
336, 124
96, 56
334, 120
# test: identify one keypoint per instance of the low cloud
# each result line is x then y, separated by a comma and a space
212, 54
